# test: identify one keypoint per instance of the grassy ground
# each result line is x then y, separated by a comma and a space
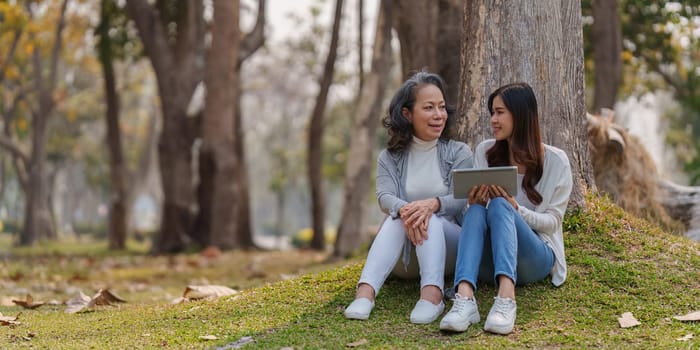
617, 264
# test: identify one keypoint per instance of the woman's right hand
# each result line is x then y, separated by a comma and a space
479, 195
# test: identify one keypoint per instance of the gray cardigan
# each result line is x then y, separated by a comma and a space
391, 178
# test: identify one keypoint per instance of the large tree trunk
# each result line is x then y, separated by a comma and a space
175, 60
607, 49
430, 38
539, 42
118, 213
217, 159
351, 232
244, 229
315, 145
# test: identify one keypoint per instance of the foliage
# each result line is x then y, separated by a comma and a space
661, 50
617, 264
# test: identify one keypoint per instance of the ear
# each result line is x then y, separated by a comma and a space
616, 140
406, 113
592, 120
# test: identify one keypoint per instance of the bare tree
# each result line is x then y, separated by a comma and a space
173, 37
539, 42
217, 159
316, 127
351, 232
607, 51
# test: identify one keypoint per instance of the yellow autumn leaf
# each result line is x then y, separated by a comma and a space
71, 115
22, 124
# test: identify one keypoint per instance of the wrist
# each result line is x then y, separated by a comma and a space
437, 205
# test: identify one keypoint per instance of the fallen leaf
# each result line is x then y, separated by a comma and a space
209, 337
355, 344
693, 316
8, 320
28, 303
627, 320
179, 300
208, 291
686, 337
77, 303
106, 297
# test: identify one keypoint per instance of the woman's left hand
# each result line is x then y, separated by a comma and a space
417, 213
498, 191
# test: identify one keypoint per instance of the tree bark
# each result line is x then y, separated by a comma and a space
176, 62
351, 232
430, 38
217, 155
607, 51
315, 145
538, 42
118, 213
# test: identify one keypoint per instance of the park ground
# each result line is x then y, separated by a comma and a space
294, 299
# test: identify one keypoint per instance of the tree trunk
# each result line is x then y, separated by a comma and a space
118, 213
316, 127
539, 42
358, 171
607, 51
244, 229
430, 38
175, 62
37, 219
217, 157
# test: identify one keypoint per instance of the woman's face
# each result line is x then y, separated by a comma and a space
501, 120
429, 114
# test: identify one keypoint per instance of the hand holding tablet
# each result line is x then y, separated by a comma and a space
465, 179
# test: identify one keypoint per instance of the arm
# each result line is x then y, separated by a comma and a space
388, 186
448, 205
551, 219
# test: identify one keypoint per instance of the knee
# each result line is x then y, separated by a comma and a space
499, 202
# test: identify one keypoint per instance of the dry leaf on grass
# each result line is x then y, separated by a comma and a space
208, 337
627, 320
355, 344
193, 292
693, 316
82, 302
28, 303
686, 337
8, 320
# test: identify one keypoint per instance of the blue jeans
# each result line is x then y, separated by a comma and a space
497, 241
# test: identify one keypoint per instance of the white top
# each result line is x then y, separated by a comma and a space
546, 219
521, 196
423, 178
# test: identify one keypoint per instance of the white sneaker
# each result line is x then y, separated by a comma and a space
359, 309
426, 312
463, 313
501, 318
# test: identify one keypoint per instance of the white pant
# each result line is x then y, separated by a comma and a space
435, 257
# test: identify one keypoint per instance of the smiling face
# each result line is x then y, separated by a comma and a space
501, 120
429, 113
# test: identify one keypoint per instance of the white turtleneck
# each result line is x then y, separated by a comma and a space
423, 178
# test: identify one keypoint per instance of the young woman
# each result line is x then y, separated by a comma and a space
414, 187
512, 238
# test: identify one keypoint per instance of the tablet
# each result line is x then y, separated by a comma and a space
465, 179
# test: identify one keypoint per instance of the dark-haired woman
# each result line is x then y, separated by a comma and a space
512, 238
414, 187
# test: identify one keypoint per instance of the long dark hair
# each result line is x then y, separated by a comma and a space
400, 130
526, 140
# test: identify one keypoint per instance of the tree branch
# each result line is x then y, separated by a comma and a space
57, 46
150, 27
256, 38
10, 53
14, 149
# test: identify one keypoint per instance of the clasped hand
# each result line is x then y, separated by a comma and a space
415, 216
483, 193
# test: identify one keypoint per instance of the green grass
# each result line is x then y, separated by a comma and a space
617, 263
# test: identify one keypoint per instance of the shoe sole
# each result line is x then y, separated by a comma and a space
460, 327
354, 316
498, 330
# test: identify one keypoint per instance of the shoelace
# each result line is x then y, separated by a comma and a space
460, 304
502, 306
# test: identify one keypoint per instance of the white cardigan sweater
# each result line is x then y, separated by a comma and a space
555, 187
